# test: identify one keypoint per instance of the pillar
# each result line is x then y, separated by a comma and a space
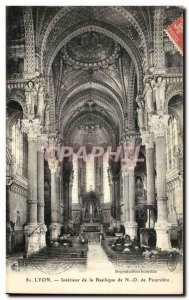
40, 191
32, 230
114, 204
70, 186
55, 226
162, 226
150, 171
132, 225
126, 198
61, 200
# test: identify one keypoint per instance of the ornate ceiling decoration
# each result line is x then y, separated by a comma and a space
90, 50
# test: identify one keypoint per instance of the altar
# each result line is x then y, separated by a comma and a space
91, 212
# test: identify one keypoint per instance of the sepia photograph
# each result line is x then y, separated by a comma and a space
94, 150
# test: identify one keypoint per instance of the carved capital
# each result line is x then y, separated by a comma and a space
130, 141
131, 167
32, 128
54, 226
158, 125
31, 229
53, 165
147, 139
42, 142
124, 170
43, 229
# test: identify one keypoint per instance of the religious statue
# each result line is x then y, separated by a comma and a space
47, 115
40, 102
86, 213
140, 112
96, 213
149, 98
159, 90
30, 99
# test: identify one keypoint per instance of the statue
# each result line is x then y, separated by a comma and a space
159, 90
47, 115
149, 98
86, 213
40, 102
140, 112
30, 99
96, 213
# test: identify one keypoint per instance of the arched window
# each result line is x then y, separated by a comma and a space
17, 139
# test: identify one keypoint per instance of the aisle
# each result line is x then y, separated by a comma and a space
97, 259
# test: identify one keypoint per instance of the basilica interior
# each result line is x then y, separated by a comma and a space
81, 77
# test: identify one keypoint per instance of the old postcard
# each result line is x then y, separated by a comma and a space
94, 150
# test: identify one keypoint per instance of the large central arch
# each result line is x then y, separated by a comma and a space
125, 42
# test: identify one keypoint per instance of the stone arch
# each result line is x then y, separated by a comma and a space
97, 98
98, 28
172, 90
72, 126
11, 120
177, 114
121, 10
99, 75
19, 99
97, 84
125, 13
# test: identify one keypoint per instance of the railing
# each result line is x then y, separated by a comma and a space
17, 83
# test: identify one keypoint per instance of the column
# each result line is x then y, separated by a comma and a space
114, 204
132, 225
61, 200
150, 170
126, 198
162, 226
58, 176
110, 181
40, 190
55, 226
112, 197
75, 192
70, 221
32, 231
